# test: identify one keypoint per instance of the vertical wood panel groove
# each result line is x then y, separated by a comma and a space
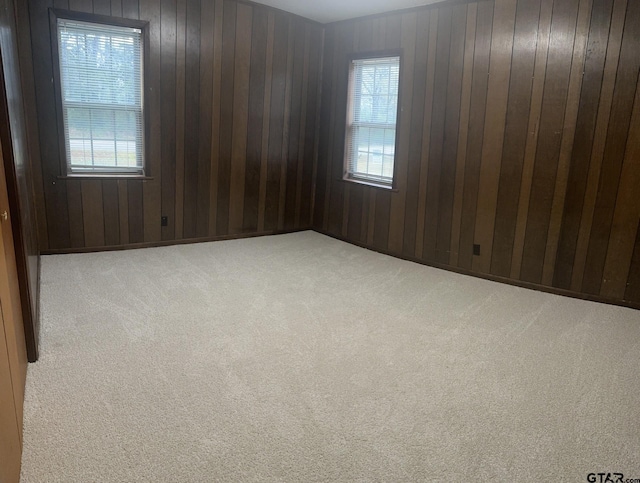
465, 103
592, 84
597, 151
494, 130
240, 118
615, 145
568, 136
531, 144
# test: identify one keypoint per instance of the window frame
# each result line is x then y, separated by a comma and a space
349, 108
65, 169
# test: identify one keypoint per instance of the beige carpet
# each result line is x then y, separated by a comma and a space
300, 358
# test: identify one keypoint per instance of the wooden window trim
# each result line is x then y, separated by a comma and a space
54, 15
349, 113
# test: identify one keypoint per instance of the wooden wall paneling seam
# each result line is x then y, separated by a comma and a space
180, 83
81, 5
330, 99
55, 194
314, 128
255, 119
626, 215
568, 136
599, 141
93, 212
168, 113
320, 181
497, 97
465, 106
123, 211
226, 115
152, 189
320, 192
554, 101
116, 8
130, 9
111, 210
294, 136
216, 113
398, 199
284, 154
451, 133
600, 23
513, 149
303, 128
266, 118
206, 61
436, 143
475, 138
25, 59
240, 117
617, 137
344, 38
539, 74
414, 131
278, 120
136, 213
76, 215
102, 7
192, 118
425, 147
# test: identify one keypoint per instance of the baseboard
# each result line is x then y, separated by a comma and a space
493, 278
462, 271
165, 243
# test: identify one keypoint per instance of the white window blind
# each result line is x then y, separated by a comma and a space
371, 120
102, 102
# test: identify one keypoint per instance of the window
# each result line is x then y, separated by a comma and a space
101, 89
371, 120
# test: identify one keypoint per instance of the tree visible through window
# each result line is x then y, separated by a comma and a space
102, 102
371, 120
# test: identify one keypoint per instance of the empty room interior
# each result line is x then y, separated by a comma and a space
308, 241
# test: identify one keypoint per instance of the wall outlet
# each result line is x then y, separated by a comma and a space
476, 249
164, 221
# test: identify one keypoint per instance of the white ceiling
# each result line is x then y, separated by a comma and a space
325, 11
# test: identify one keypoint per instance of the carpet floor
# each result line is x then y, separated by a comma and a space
301, 358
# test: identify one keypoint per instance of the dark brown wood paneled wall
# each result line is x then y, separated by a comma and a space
233, 101
519, 132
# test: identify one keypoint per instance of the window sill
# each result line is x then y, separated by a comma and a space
141, 177
369, 184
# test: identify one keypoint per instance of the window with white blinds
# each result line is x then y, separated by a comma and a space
371, 120
101, 73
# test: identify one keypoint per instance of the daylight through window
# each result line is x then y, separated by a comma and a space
102, 101
371, 122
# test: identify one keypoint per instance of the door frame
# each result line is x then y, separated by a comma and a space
29, 313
